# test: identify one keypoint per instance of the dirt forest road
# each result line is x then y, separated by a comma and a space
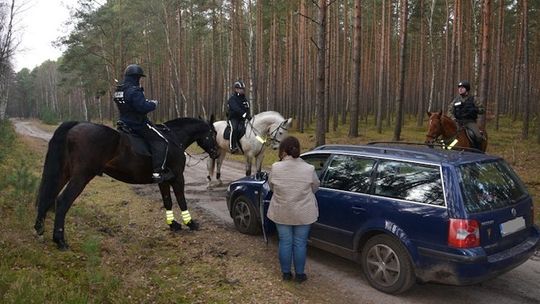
521, 285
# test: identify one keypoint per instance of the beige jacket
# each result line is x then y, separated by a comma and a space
294, 183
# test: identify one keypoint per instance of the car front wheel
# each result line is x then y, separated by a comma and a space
245, 216
386, 265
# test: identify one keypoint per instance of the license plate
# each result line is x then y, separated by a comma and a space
512, 226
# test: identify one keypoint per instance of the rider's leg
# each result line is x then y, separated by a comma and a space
158, 148
478, 138
233, 140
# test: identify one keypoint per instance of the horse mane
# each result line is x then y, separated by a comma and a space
268, 113
182, 123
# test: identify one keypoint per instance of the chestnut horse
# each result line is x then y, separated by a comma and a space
78, 151
444, 130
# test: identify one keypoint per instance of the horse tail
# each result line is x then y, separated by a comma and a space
51, 182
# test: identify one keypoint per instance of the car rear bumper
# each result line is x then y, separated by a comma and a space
473, 266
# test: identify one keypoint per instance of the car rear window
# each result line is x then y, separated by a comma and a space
409, 181
489, 185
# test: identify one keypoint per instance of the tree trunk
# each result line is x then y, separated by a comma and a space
525, 75
382, 53
498, 63
321, 69
400, 88
357, 42
484, 59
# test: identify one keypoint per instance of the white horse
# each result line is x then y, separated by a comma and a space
264, 129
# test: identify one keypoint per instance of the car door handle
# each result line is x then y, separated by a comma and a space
358, 210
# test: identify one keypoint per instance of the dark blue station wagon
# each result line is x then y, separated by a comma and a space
409, 213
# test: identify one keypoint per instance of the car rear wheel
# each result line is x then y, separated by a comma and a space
245, 216
386, 265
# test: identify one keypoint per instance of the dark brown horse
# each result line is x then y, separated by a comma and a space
443, 129
78, 151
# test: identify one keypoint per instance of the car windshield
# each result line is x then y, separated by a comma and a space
489, 185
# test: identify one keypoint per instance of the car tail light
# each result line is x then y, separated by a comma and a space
463, 233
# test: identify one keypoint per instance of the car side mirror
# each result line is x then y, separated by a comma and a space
263, 176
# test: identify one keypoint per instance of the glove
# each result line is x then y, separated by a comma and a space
153, 101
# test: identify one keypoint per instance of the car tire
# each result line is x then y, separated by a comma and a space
245, 216
386, 265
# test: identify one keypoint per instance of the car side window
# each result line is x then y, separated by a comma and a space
349, 173
318, 161
408, 181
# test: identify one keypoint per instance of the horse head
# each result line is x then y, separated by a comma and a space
279, 131
207, 139
435, 128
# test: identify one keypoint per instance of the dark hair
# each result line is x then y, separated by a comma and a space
291, 146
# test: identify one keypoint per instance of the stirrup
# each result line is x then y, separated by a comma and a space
159, 177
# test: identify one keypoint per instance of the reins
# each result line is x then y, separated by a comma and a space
191, 156
264, 141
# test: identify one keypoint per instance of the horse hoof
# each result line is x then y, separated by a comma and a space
193, 225
61, 245
175, 226
39, 227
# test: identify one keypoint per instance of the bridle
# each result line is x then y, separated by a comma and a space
275, 132
206, 138
450, 142
272, 139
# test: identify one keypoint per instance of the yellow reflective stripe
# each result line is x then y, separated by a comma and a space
260, 139
452, 144
186, 217
170, 216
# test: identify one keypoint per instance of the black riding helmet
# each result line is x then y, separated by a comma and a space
134, 70
465, 84
239, 85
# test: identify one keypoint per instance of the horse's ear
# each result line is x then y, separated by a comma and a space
428, 113
440, 112
212, 118
289, 122
200, 117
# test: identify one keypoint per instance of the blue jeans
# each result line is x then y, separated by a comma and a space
292, 246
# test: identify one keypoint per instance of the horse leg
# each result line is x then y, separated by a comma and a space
46, 199
248, 165
178, 188
220, 159
165, 189
65, 200
258, 162
210, 166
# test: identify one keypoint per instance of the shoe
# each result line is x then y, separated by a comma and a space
300, 277
286, 276
234, 150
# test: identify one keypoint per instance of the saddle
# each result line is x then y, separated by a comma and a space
227, 131
138, 144
476, 141
241, 132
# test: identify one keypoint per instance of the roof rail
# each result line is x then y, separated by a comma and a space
433, 145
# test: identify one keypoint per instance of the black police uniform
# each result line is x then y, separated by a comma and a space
238, 106
133, 108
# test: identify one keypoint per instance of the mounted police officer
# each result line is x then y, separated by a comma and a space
133, 107
464, 109
238, 113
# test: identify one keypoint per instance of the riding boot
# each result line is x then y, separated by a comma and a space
233, 142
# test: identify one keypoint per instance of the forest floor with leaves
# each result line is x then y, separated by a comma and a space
123, 252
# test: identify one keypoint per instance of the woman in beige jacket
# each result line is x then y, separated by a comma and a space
293, 206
